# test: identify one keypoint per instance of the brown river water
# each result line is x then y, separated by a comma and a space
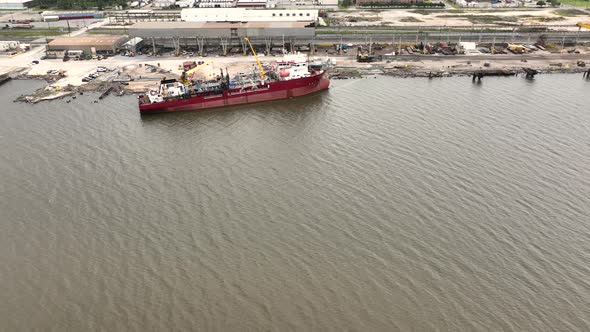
383, 204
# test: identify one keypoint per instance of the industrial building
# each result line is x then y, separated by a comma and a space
148, 30
163, 3
304, 3
177, 35
216, 4
87, 44
251, 3
248, 15
133, 44
14, 4
185, 3
73, 15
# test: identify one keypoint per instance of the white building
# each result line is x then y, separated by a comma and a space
304, 3
248, 15
185, 3
163, 3
216, 4
252, 4
468, 48
13, 4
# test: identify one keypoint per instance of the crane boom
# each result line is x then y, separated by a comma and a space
191, 72
187, 75
262, 72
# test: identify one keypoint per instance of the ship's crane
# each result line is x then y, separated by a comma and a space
262, 72
187, 75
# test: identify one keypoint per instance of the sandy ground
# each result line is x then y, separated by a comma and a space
396, 17
135, 66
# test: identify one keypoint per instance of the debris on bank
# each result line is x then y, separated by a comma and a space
47, 93
343, 73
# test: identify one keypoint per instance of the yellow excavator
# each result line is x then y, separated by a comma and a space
584, 25
262, 72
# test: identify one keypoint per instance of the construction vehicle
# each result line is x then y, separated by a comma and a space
364, 55
188, 65
517, 49
262, 72
584, 25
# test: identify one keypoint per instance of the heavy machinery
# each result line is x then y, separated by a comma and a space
188, 65
517, 49
584, 25
364, 55
262, 71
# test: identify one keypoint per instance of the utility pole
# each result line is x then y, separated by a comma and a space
493, 45
48, 29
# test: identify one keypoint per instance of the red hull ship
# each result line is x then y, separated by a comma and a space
224, 95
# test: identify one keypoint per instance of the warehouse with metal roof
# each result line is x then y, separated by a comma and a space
183, 35
148, 30
14, 4
101, 44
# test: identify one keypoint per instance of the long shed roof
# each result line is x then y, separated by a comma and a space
86, 41
217, 25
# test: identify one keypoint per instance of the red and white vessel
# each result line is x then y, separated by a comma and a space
284, 79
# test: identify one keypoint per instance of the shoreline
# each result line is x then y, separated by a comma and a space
138, 75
